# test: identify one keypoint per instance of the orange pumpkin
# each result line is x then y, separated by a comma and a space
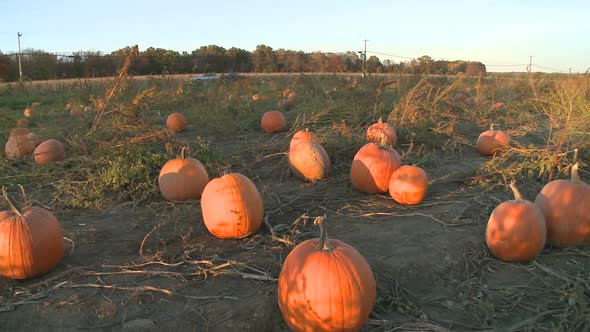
498, 105
22, 123
32, 241
273, 122
566, 207
301, 136
100, 103
309, 161
232, 206
285, 104
176, 122
75, 112
373, 166
408, 185
28, 112
375, 131
256, 97
20, 143
48, 151
183, 178
492, 141
326, 285
516, 230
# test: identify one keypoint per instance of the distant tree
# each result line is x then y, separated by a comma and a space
263, 59
161, 61
374, 65
38, 64
4, 62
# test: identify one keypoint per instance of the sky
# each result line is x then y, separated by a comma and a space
495, 32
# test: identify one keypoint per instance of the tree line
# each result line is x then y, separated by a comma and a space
42, 65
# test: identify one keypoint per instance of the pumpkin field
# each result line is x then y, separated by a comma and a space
144, 251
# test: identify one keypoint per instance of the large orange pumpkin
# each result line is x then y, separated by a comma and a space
32, 241
183, 178
326, 285
376, 130
408, 185
232, 206
309, 161
273, 122
492, 141
566, 206
373, 166
48, 151
20, 143
301, 136
176, 122
516, 230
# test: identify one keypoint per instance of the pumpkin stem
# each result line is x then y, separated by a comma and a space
575, 175
380, 120
516, 192
323, 245
492, 126
183, 152
11, 203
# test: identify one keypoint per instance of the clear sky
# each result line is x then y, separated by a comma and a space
556, 33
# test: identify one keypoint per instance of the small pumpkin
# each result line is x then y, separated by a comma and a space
22, 123
301, 136
285, 104
326, 285
32, 241
176, 122
28, 112
48, 151
492, 141
20, 143
516, 230
566, 207
373, 166
273, 122
232, 207
376, 129
309, 161
100, 103
35, 104
255, 97
408, 185
498, 105
182, 178
68, 107
75, 112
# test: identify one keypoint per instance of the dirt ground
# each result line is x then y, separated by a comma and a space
154, 266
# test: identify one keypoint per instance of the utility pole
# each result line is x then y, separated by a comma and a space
20, 68
530, 64
364, 57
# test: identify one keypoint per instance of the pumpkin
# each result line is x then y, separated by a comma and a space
68, 107
48, 151
498, 105
300, 136
492, 141
255, 97
75, 112
182, 178
309, 161
565, 205
28, 112
232, 206
35, 104
373, 166
408, 185
326, 285
20, 143
32, 241
289, 94
22, 123
273, 122
516, 230
176, 122
376, 129
100, 103
285, 104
